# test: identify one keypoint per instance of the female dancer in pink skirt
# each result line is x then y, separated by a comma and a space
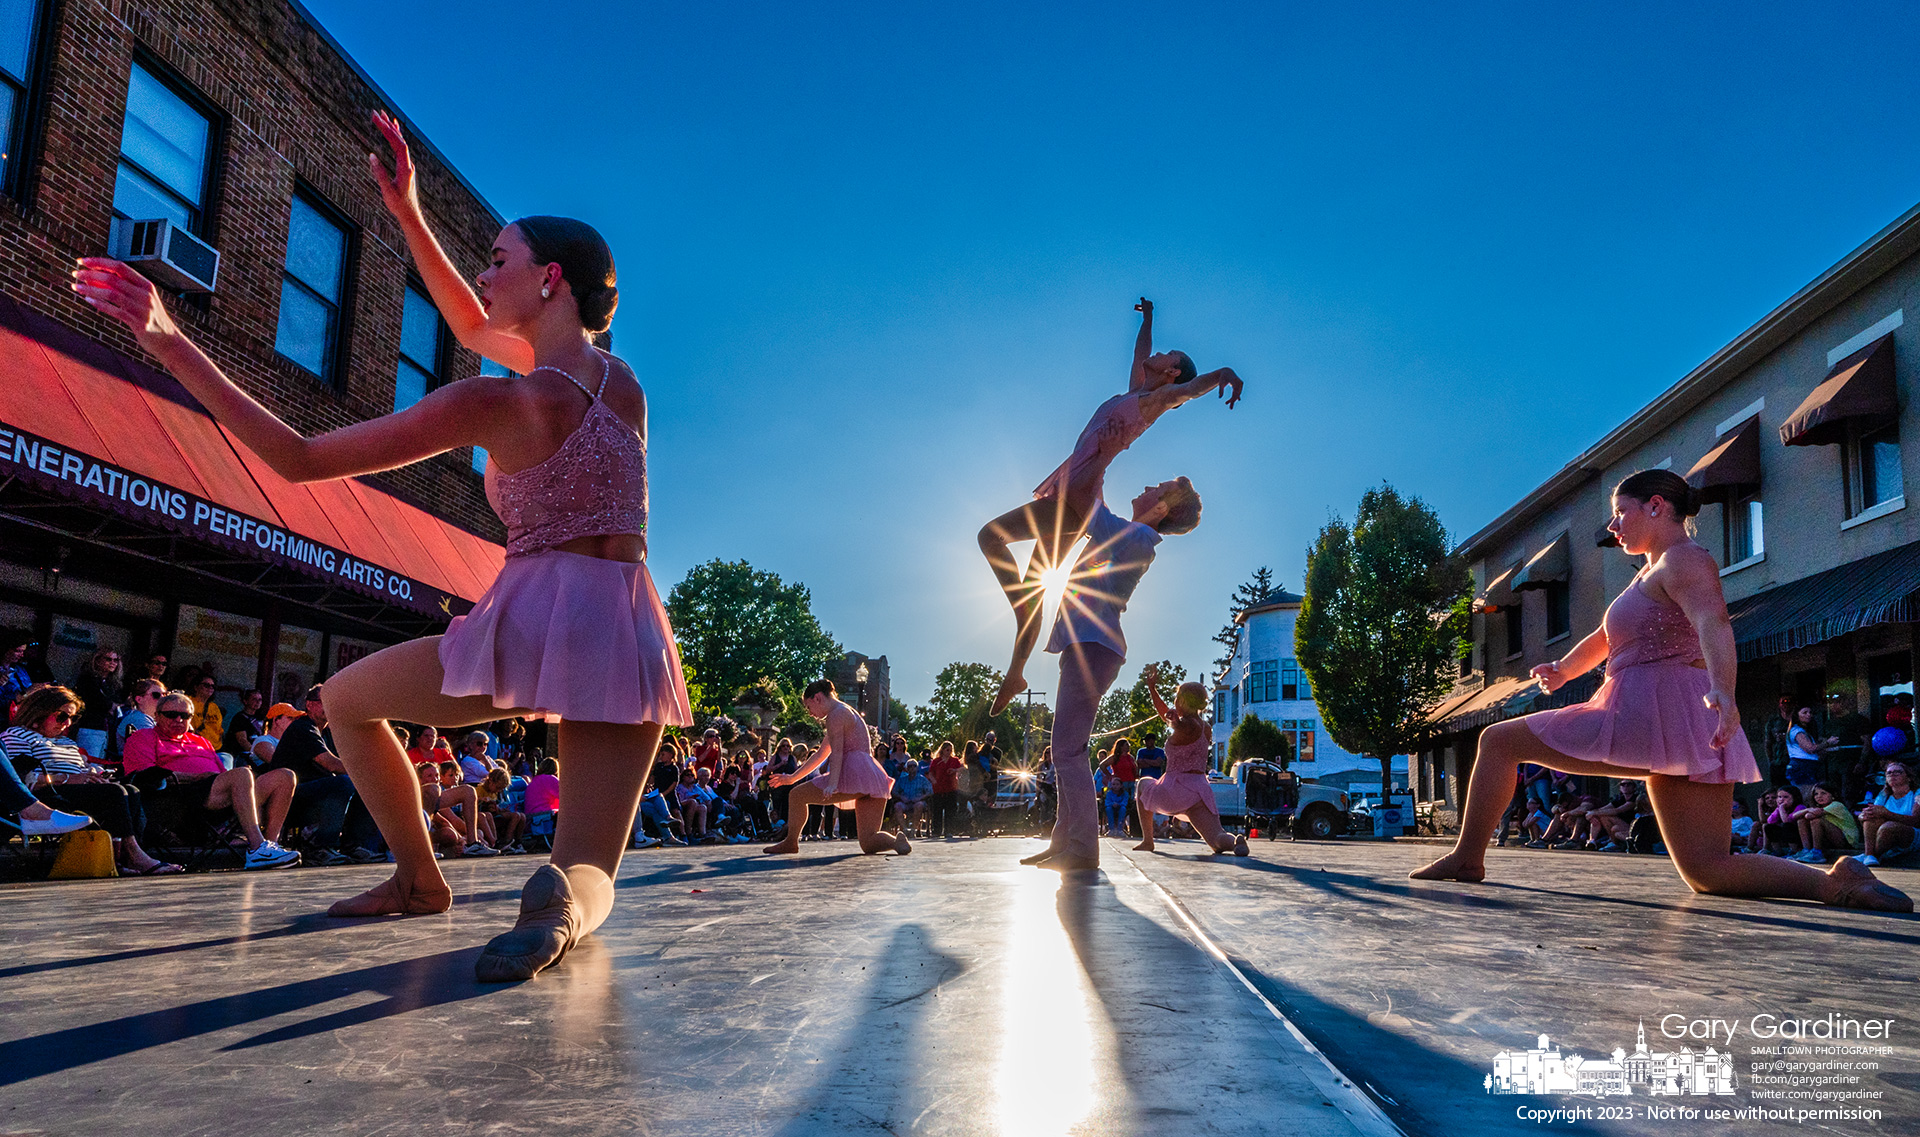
1057, 516
1183, 791
850, 779
572, 626
1665, 713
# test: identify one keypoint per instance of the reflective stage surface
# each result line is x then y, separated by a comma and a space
949, 992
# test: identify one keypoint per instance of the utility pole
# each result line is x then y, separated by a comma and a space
1026, 732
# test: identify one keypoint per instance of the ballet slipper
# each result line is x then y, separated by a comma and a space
549, 924
1066, 862
1039, 858
388, 899
1450, 867
1855, 886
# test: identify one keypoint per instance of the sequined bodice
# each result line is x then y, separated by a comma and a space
595, 484
1641, 630
1193, 757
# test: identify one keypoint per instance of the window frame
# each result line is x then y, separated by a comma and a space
336, 353
201, 217
1854, 467
1515, 614
1559, 610
23, 137
436, 374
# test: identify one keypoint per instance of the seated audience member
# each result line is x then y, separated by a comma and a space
1538, 821
1743, 828
656, 820
507, 824
274, 723
459, 803
143, 703
543, 791
422, 748
442, 829
1569, 827
708, 753
324, 804
209, 721
1825, 823
1643, 836
474, 763
66, 781
245, 724
98, 689
693, 806
1887, 824
188, 773
1607, 825
915, 789
1783, 832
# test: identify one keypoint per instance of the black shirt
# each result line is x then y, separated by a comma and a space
298, 748
97, 697
242, 729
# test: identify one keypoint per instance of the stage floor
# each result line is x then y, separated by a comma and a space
949, 992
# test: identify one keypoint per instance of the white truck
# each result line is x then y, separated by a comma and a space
1262, 795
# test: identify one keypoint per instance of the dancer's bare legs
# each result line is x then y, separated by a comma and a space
401, 682
1204, 822
1696, 823
868, 813
1054, 523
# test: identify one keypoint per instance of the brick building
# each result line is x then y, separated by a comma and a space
127, 518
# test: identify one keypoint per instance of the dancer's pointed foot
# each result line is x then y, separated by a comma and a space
1010, 687
902, 846
549, 924
1453, 866
1851, 884
784, 848
391, 898
1039, 858
1145, 846
1240, 845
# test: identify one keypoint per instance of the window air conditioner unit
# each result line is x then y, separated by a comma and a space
165, 253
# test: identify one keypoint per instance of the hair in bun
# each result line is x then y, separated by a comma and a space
586, 264
1665, 484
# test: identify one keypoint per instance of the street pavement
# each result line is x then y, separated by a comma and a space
1309, 988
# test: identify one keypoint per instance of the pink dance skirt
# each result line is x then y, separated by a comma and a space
576, 636
1649, 717
1177, 795
855, 773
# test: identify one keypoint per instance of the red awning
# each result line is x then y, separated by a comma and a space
1860, 387
1731, 470
71, 411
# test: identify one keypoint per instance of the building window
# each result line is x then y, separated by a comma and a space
312, 283
489, 367
1301, 733
1745, 533
1516, 629
1220, 706
19, 31
419, 369
1559, 608
1293, 681
1872, 467
1263, 681
165, 149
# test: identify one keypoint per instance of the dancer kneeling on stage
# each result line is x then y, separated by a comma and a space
1665, 713
572, 626
851, 778
1183, 791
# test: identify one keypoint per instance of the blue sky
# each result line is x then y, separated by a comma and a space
878, 261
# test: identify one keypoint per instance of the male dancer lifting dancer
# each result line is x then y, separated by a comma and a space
1062, 504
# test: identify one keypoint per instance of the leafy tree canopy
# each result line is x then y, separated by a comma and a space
737, 625
1380, 624
1257, 738
957, 711
1127, 706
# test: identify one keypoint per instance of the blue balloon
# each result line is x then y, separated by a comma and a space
1889, 740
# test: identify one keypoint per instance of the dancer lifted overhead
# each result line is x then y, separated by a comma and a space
573, 626
1062, 504
851, 779
1183, 791
1086, 634
1665, 713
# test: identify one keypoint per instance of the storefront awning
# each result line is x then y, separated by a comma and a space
1551, 565
1876, 590
1859, 387
1603, 538
1731, 470
1499, 593
81, 422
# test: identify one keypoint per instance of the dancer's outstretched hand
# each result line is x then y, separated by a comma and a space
121, 292
396, 189
1549, 676
1722, 703
1145, 307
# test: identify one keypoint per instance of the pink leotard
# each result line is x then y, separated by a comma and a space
1114, 426
595, 484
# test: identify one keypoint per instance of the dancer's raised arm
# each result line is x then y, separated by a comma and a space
1152, 675
458, 305
452, 416
1164, 399
1142, 346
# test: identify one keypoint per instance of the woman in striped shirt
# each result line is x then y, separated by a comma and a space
62, 776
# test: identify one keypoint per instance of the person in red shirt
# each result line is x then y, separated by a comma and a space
944, 773
199, 779
422, 748
708, 753
1121, 774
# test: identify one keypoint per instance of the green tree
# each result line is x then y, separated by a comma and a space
1125, 707
1258, 589
1257, 738
1380, 625
957, 710
737, 624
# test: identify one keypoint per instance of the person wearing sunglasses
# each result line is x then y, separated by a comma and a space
194, 775
143, 710
36, 746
